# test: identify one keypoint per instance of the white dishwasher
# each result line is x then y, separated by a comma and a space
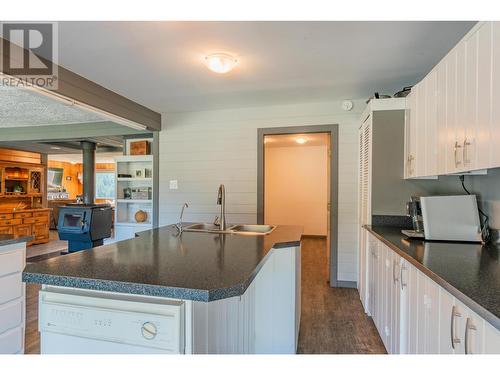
75, 321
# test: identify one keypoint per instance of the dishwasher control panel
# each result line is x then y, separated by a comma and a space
157, 324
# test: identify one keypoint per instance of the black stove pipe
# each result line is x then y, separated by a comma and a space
88, 149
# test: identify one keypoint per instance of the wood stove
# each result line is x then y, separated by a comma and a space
84, 226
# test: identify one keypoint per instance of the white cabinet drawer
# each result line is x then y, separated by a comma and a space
11, 342
11, 287
11, 315
11, 262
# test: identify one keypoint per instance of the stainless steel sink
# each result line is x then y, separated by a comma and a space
253, 228
204, 227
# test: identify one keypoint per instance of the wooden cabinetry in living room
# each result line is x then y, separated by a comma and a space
32, 222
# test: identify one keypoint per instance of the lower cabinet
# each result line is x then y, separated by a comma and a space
414, 315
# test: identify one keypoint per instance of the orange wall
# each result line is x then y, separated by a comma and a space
296, 187
74, 187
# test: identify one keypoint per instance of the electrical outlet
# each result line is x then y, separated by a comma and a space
173, 185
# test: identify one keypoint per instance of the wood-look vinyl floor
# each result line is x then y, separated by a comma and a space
54, 245
333, 320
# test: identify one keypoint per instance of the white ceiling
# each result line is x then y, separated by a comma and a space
290, 140
21, 107
159, 64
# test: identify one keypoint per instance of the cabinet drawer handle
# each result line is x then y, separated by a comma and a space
401, 282
464, 152
469, 326
454, 314
457, 146
395, 277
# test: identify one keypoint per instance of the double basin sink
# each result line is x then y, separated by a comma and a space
252, 229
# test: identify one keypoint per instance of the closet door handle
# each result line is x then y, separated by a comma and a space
454, 314
469, 326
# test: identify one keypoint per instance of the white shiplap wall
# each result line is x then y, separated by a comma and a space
204, 149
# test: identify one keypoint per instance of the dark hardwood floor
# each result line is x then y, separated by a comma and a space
333, 320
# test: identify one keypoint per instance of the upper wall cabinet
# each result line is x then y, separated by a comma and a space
452, 123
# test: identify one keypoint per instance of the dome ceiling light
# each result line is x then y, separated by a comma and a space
220, 62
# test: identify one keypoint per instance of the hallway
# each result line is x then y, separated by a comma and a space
333, 320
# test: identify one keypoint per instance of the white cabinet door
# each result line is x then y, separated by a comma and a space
484, 104
396, 305
471, 331
420, 116
431, 140
450, 319
470, 98
409, 279
461, 103
411, 135
421, 313
453, 154
379, 321
491, 339
404, 303
495, 82
441, 123
387, 298
432, 316
364, 238
373, 279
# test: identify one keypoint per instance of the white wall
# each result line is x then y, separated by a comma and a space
296, 187
206, 148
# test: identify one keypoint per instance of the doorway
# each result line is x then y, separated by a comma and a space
297, 184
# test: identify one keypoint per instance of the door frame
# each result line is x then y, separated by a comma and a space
333, 130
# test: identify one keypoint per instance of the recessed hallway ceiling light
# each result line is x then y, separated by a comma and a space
55, 148
301, 140
220, 62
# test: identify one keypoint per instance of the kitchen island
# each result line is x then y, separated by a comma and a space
12, 293
168, 293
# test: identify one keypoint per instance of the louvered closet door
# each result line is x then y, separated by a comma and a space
364, 173
364, 210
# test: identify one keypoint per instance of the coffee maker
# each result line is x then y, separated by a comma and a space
414, 210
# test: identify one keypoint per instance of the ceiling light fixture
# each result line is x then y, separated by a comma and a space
301, 140
220, 62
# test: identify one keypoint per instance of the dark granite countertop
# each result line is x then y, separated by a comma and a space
194, 266
470, 272
8, 239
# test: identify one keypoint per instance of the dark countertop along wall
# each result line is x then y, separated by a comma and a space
470, 272
194, 266
9, 239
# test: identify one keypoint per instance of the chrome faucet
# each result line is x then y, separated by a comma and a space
179, 224
221, 200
